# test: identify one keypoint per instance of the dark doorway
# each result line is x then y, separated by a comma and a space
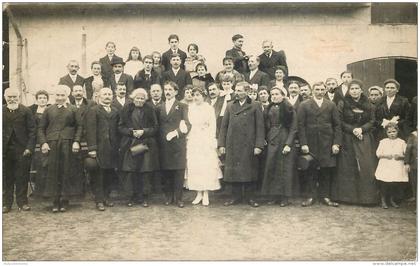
375, 71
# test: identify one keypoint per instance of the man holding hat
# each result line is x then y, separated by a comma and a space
102, 143
395, 108
19, 133
240, 59
319, 131
119, 77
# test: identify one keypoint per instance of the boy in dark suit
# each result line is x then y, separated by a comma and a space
105, 61
177, 75
147, 76
19, 134
173, 40
120, 77
174, 126
342, 90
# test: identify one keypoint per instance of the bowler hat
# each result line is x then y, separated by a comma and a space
117, 60
91, 164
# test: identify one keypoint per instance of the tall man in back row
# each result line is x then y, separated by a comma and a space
240, 59
270, 59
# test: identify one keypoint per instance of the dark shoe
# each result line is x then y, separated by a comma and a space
6, 209
100, 206
231, 202
329, 202
383, 203
180, 204
130, 204
24, 207
145, 204
109, 203
393, 203
308, 202
253, 203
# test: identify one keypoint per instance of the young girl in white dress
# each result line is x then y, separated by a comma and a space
390, 171
203, 171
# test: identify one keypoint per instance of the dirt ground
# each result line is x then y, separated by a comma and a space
209, 233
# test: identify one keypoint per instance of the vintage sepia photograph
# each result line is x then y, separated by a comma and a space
209, 131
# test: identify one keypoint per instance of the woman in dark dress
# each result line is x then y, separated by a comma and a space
281, 127
138, 125
355, 180
40, 160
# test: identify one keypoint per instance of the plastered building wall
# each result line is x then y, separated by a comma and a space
318, 43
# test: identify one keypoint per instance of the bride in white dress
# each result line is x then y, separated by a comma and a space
203, 171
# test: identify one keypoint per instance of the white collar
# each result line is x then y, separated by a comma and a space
319, 102
242, 102
170, 102
73, 77
252, 73
78, 102
293, 100
175, 70
121, 99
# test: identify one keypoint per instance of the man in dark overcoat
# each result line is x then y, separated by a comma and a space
102, 143
319, 129
241, 138
270, 59
59, 134
177, 75
174, 126
19, 134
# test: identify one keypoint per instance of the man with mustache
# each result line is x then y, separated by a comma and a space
120, 100
119, 76
173, 126
102, 143
241, 138
19, 134
72, 78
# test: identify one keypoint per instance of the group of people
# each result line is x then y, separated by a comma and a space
163, 120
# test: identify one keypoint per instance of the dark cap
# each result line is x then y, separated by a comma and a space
117, 60
392, 81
